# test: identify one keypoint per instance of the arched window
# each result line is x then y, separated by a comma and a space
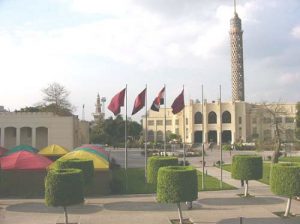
212, 118
226, 117
198, 118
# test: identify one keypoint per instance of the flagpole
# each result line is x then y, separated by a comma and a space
146, 134
126, 129
183, 131
203, 161
221, 150
165, 136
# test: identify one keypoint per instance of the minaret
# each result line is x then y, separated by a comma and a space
98, 114
237, 61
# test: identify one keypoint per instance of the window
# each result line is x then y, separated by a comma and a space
226, 117
254, 131
254, 120
177, 122
169, 122
240, 120
150, 122
267, 120
186, 121
159, 122
289, 120
212, 118
186, 133
177, 131
198, 118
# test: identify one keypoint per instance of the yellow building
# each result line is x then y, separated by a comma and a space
40, 129
241, 122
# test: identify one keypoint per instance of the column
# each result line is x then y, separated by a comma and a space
2, 136
33, 138
18, 136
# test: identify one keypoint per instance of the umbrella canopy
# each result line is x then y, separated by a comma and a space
24, 160
53, 150
94, 151
99, 162
22, 148
96, 147
3, 150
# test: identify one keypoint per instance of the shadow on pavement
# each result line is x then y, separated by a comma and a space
147, 206
261, 220
36, 207
241, 201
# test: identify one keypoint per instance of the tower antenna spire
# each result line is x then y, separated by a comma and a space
234, 6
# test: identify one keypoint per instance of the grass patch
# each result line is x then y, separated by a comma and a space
292, 159
136, 182
266, 172
211, 183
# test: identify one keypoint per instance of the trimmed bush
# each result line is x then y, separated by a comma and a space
85, 165
247, 167
285, 181
156, 162
177, 184
64, 187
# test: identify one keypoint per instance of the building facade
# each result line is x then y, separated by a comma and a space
230, 121
40, 129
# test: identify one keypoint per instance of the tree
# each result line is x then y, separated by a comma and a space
246, 167
64, 187
285, 181
275, 111
177, 184
111, 131
56, 100
298, 122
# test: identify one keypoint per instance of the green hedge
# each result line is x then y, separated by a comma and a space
177, 184
285, 179
155, 162
247, 167
85, 165
64, 187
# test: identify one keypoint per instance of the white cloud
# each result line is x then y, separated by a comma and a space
296, 32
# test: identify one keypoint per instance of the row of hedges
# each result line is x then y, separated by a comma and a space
31, 183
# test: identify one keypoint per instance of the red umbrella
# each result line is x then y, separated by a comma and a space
24, 160
3, 150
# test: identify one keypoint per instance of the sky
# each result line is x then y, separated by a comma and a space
99, 46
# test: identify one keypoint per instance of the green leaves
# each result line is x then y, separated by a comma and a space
247, 167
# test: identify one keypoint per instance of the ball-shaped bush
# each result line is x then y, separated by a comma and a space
247, 167
177, 184
85, 165
285, 179
64, 187
156, 162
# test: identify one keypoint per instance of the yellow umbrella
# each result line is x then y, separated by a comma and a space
53, 150
99, 162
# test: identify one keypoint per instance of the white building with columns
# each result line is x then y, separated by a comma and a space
40, 129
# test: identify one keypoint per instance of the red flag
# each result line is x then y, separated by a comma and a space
178, 103
117, 102
159, 100
139, 102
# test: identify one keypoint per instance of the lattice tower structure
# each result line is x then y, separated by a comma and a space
237, 61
